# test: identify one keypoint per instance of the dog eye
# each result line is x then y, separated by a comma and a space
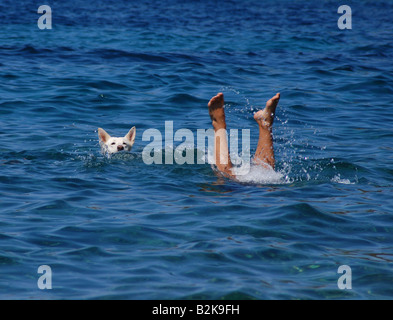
113, 143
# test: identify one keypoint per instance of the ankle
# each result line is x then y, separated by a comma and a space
217, 125
264, 127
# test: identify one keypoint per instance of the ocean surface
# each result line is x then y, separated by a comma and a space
119, 228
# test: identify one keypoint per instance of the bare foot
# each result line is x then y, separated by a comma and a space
216, 112
265, 117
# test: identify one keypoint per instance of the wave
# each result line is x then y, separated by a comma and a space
134, 56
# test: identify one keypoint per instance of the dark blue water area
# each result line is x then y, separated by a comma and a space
119, 228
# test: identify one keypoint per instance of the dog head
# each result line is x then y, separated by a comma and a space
113, 145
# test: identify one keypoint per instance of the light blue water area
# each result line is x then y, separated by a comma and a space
118, 228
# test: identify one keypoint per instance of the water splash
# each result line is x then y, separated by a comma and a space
337, 178
299, 157
257, 174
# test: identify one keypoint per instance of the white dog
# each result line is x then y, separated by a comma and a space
113, 145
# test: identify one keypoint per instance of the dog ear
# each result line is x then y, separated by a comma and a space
103, 136
130, 136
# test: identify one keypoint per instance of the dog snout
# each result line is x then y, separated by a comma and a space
119, 148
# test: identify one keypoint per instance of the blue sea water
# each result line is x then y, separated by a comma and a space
118, 228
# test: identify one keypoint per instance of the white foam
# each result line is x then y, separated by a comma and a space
337, 179
259, 175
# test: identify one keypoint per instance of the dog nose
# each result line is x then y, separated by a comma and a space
119, 148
